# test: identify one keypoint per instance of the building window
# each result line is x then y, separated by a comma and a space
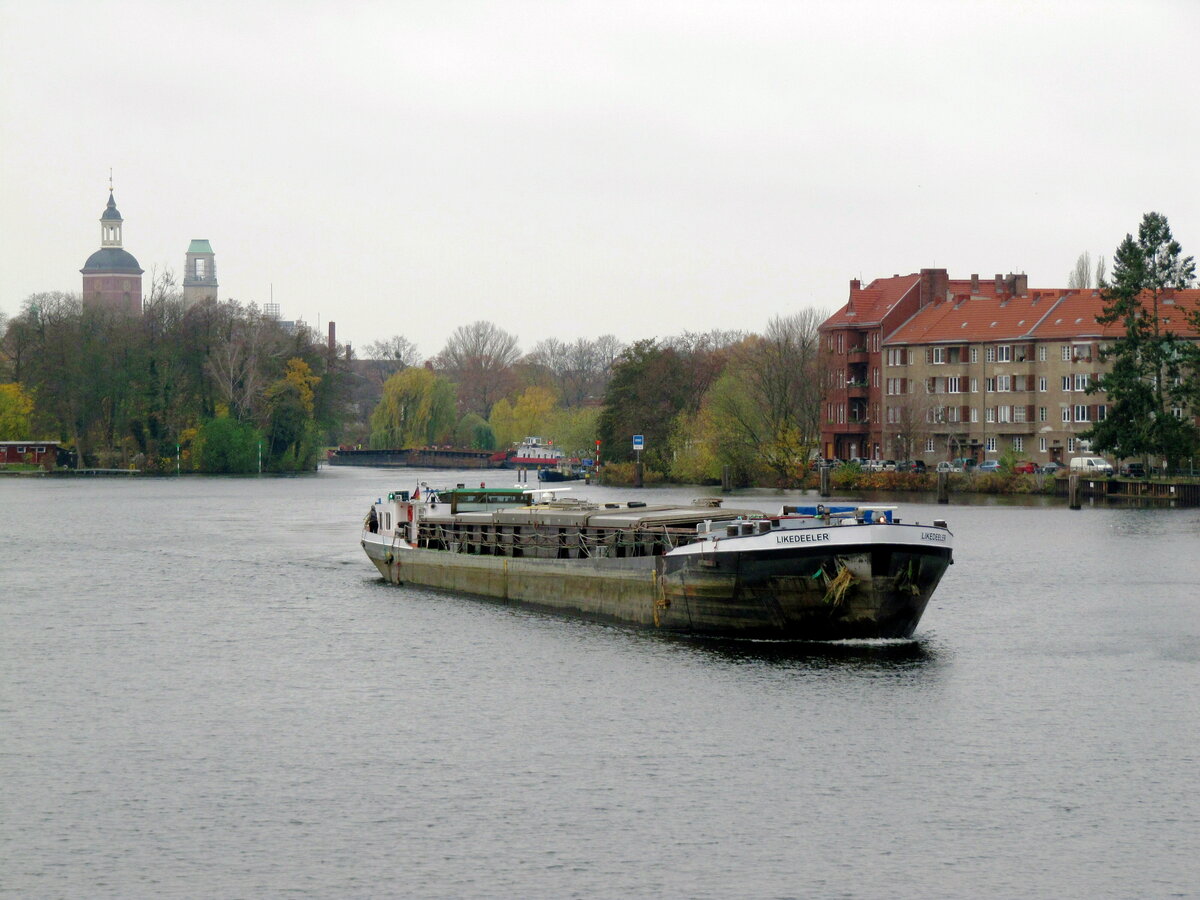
1005, 413
1018, 444
1003, 383
1042, 356
1081, 414
974, 354
990, 356
1101, 413
939, 355
1043, 414
1066, 413
990, 446
1070, 445
1066, 352
974, 414
953, 385
1043, 383
839, 342
1066, 382
990, 414
1081, 382
1004, 353
989, 385
1042, 444
1019, 413
929, 445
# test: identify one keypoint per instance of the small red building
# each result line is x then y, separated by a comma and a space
27, 451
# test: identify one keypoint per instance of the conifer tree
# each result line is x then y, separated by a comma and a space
1150, 376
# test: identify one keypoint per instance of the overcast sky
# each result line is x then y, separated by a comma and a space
572, 169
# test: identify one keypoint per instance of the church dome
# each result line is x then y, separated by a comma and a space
110, 210
112, 259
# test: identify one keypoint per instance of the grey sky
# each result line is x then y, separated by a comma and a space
571, 169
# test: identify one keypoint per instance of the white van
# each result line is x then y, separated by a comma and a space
1090, 465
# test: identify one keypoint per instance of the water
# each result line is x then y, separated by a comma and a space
207, 691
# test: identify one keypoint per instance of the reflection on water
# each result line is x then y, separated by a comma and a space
845, 655
222, 691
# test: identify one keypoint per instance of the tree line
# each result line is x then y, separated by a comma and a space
220, 387
217, 387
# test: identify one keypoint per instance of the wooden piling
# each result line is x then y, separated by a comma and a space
825, 491
726, 480
943, 487
1073, 492
637, 474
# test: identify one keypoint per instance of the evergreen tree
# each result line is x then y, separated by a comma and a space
1149, 378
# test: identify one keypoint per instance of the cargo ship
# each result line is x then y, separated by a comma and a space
805, 573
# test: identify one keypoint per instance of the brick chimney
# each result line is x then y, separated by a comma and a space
975, 283
333, 337
1020, 284
999, 283
934, 285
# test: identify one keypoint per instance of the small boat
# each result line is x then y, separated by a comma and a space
532, 452
804, 573
562, 473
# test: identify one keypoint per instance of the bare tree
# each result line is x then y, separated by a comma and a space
236, 364
479, 359
908, 421
1101, 267
1081, 275
704, 356
383, 359
768, 400
397, 348
578, 370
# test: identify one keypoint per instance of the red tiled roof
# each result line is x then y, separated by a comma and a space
868, 305
1038, 314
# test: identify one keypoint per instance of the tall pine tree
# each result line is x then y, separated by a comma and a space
1150, 374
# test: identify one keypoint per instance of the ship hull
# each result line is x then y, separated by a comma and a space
872, 583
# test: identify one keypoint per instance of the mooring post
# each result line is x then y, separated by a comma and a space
726, 480
825, 470
637, 474
943, 487
1073, 492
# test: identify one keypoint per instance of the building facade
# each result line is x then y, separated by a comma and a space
112, 278
983, 369
852, 341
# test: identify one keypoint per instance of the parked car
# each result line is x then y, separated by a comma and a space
889, 465
912, 465
944, 466
1091, 465
964, 464
988, 465
1052, 467
1134, 470
1025, 467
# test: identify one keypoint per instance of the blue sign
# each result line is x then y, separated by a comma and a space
639, 442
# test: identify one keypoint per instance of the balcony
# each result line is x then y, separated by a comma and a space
857, 389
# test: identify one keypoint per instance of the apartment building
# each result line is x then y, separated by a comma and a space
987, 368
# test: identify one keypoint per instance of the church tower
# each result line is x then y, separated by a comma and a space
199, 273
112, 278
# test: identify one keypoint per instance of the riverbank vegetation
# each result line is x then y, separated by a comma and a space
221, 387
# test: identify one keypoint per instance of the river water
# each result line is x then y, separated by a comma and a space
206, 690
